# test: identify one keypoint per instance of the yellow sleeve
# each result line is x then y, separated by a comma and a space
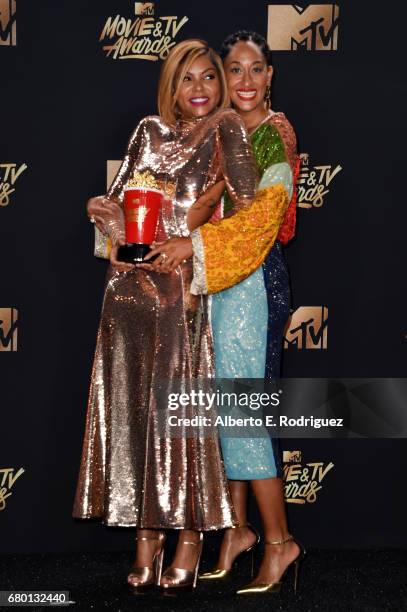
233, 248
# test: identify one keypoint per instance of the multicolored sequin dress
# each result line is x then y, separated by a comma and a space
248, 318
152, 328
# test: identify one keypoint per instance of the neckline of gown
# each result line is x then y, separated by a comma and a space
185, 126
262, 122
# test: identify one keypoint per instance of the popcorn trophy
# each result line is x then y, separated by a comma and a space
142, 204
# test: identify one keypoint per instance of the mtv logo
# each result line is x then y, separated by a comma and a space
144, 8
304, 157
8, 329
307, 328
294, 28
292, 456
8, 35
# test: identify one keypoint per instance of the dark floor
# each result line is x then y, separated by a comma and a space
363, 581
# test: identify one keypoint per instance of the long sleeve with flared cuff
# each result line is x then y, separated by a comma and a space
244, 240
227, 251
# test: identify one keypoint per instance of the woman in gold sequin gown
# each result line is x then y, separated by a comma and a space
133, 473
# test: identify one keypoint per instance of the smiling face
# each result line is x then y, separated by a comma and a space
200, 90
247, 76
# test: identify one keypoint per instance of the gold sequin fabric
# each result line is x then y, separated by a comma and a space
287, 134
133, 473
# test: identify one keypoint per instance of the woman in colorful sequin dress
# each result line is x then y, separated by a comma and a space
248, 318
152, 328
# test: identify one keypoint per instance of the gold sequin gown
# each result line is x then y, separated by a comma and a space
153, 328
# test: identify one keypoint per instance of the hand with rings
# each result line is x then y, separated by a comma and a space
173, 252
96, 209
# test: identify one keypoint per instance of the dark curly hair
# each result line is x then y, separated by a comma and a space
246, 35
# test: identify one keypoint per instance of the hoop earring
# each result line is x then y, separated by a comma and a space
267, 97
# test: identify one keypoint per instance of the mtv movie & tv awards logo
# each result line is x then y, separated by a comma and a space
307, 328
8, 329
8, 477
296, 28
142, 36
9, 173
303, 481
8, 26
314, 182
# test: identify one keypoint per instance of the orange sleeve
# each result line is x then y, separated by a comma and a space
234, 247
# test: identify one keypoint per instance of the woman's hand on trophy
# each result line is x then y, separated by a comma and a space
153, 266
119, 266
171, 254
95, 208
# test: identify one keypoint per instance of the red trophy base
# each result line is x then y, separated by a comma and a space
134, 253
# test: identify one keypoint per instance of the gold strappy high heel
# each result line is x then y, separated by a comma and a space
220, 574
141, 579
275, 587
183, 578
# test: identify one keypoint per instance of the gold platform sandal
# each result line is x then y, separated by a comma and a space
143, 579
275, 587
183, 578
220, 574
